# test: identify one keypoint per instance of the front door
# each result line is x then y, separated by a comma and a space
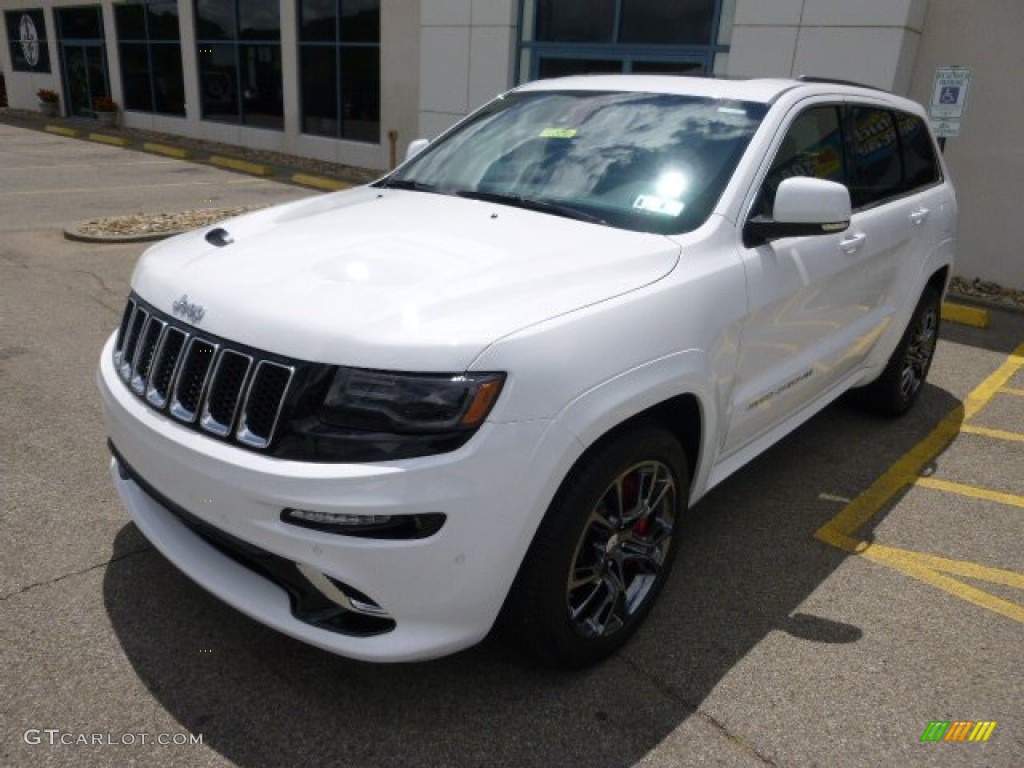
83, 57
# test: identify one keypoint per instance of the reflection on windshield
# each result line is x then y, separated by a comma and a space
642, 161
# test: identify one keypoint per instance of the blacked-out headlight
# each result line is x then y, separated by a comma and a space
351, 415
406, 403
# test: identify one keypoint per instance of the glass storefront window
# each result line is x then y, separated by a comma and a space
568, 37
149, 41
239, 49
339, 64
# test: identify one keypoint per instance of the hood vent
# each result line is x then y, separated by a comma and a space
219, 237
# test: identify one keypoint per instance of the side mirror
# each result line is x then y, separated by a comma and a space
804, 207
415, 147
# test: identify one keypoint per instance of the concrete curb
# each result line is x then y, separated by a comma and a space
166, 150
982, 302
75, 235
60, 130
256, 169
320, 182
114, 141
960, 313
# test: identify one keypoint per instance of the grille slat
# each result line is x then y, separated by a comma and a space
151, 333
126, 318
165, 366
131, 340
225, 392
203, 382
263, 403
195, 370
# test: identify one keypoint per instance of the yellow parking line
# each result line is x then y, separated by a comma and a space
970, 491
911, 564
1000, 434
1012, 391
841, 530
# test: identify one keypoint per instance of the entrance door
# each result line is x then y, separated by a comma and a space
83, 57
85, 77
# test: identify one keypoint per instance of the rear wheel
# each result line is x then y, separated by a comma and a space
898, 388
604, 550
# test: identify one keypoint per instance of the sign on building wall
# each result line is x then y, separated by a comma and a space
26, 32
949, 100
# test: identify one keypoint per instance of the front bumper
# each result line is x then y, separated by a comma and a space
442, 592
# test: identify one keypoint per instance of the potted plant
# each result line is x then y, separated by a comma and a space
48, 101
106, 110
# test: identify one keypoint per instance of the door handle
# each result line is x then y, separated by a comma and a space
852, 243
919, 215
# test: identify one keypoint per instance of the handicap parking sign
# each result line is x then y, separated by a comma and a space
949, 98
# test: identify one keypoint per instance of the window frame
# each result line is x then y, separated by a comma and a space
237, 43
626, 53
149, 42
338, 46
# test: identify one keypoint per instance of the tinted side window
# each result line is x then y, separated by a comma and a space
878, 173
813, 147
920, 165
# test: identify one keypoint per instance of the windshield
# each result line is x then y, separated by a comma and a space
643, 161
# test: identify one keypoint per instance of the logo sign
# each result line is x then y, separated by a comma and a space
29, 39
189, 310
949, 95
958, 730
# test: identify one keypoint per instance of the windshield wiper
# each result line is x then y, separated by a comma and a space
415, 186
532, 204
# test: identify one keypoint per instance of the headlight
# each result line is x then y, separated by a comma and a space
351, 415
404, 403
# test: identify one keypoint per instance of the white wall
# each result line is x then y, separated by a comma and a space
22, 86
987, 160
466, 58
868, 41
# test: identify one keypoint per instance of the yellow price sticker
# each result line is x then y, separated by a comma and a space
558, 133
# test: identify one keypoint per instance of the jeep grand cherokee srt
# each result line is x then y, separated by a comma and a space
493, 381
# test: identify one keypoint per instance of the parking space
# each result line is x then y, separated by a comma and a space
859, 581
964, 478
49, 180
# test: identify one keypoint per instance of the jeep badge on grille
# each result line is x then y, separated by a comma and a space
192, 312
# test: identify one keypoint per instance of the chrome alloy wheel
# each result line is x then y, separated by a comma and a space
622, 550
919, 353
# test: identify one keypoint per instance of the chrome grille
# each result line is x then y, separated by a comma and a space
200, 380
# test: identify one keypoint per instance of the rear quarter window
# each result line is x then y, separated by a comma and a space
920, 163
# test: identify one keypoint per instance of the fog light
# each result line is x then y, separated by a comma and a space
339, 519
367, 526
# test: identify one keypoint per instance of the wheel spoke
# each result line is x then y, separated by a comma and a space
622, 549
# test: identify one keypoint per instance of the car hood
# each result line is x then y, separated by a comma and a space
395, 279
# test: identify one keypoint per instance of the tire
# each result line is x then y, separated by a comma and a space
604, 550
899, 387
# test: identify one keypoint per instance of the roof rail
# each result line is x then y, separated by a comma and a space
837, 81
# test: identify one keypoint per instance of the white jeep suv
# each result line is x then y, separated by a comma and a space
493, 381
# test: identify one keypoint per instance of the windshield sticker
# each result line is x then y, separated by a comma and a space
558, 133
658, 205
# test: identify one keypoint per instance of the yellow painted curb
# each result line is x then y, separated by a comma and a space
116, 141
320, 182
62, 131
257, 169
972, 316
163, 149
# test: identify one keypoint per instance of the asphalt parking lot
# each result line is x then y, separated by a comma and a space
860, 581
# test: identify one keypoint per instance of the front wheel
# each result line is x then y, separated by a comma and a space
898, 388
604, 549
